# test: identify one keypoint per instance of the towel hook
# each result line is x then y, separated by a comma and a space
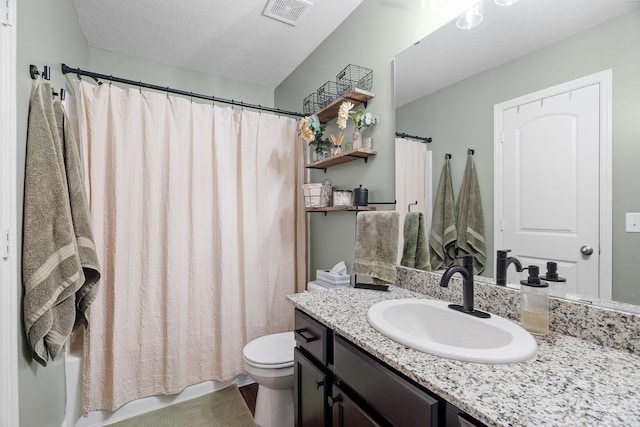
470, 151
447, 156
33, 70
411, 204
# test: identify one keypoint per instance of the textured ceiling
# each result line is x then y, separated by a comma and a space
225, 38
449, 54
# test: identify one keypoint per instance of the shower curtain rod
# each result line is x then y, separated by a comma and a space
96, 76
424, 139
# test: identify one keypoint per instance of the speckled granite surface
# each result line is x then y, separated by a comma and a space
605, 326
571, 382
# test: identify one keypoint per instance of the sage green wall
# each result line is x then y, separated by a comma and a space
48, 33
461, 116
370, 37
109, 63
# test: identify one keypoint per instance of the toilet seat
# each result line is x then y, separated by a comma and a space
273, 351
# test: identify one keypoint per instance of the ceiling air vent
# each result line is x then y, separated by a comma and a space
287, 11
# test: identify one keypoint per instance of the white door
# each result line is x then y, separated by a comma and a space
550, 184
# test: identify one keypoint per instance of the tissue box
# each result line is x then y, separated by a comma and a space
323, 285
323, 277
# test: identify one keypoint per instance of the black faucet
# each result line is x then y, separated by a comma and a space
467, 287
502, 263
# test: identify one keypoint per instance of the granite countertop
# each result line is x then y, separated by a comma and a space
570, 382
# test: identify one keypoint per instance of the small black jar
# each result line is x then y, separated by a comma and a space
360, 196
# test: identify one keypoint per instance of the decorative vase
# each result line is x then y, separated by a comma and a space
322, 154
357, 139
336, 150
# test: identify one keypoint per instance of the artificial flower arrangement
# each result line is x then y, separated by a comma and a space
359, 117
311, 131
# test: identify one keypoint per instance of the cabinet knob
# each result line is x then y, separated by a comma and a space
331, 400
319, 384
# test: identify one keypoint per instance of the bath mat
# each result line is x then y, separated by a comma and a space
221, 408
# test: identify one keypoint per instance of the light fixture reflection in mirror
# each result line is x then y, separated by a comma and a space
471, 18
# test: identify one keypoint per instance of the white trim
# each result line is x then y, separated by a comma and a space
9, 285
605, 81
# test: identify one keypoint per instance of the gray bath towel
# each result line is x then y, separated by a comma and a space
471, 219
80, 216
443, 235
376, 250
415, 253
51, 270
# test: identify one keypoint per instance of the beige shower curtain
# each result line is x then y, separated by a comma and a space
413, 181
199, 225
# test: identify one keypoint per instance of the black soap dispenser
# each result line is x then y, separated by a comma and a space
557, 286
535, 303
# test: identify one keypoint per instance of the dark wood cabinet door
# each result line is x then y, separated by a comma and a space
457, 418
310, 392
347, 413
397, 400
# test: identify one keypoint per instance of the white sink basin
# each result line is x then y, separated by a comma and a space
431, 326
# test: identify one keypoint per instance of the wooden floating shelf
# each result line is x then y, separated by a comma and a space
356, 96
346, 157
342, 208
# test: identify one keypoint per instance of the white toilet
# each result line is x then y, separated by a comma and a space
269, 362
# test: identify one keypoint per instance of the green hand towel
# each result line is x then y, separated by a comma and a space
443, 235
415, 253
471, 219
376, 251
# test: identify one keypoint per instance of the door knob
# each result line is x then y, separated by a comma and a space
586, 250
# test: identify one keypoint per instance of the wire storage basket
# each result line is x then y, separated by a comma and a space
310, 104
355, 76
330, 91
317, 195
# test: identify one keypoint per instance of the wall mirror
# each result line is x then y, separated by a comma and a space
447, 84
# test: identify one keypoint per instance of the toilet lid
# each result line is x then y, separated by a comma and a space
275, 350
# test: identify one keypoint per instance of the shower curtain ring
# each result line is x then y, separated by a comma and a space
140, 86
110, 80
167, 90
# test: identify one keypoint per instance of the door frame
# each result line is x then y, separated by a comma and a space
605, 80
9, 284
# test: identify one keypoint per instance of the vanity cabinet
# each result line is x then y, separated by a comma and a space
347, 412
382, 388
310, 391
313, 376
338, 384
